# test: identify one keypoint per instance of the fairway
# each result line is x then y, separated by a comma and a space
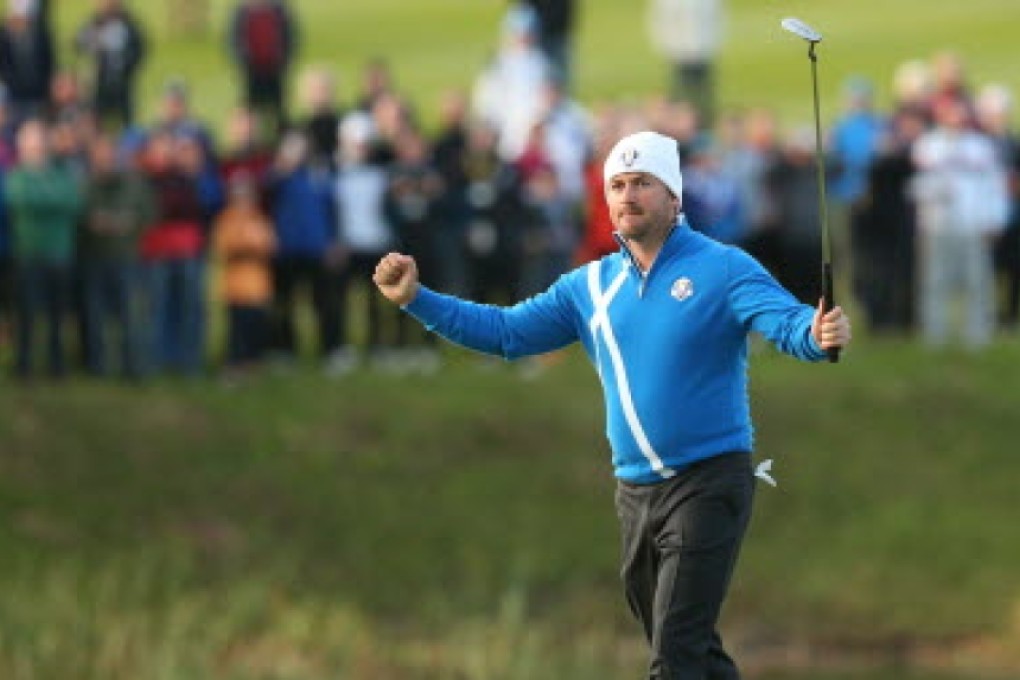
436, 45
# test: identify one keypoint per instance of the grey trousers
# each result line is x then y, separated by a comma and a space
956, 264
681, 538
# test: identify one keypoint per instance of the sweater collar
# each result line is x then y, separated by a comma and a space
678, 238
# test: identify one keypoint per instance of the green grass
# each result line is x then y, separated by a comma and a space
462, 526
436, 45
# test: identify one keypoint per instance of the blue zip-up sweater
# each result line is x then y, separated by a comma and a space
670, 346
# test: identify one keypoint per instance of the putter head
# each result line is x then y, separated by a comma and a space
799, 28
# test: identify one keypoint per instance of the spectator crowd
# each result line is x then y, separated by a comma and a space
116, 238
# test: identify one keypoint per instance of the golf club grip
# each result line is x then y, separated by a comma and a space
829, 301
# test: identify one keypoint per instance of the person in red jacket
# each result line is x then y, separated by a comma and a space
262, 42
172, 251
597, 240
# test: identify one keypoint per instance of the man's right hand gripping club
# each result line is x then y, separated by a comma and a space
396, 275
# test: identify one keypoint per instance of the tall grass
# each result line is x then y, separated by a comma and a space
461, 526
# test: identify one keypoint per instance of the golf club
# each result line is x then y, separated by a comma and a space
813, 37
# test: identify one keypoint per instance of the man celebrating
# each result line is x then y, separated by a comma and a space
665, 321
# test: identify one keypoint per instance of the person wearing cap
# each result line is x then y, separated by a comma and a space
665, 321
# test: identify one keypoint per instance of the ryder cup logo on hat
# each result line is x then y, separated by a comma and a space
682, 289
647, 152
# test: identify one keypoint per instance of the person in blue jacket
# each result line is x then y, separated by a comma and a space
665, 322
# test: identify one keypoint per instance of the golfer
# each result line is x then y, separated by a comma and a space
665, 322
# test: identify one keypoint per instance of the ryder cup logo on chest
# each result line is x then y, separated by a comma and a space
682, 289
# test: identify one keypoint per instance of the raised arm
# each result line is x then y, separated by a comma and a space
540, 324
761, 304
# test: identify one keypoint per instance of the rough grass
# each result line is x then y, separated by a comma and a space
462, 525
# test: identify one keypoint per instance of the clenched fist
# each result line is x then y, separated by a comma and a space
396, 275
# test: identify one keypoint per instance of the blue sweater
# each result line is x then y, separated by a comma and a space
303, 214
670, 346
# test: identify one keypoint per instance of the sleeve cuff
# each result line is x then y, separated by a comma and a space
816, 350
422, 300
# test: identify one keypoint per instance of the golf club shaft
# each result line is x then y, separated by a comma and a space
829, 300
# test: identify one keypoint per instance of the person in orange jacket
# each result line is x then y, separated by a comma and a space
243, 242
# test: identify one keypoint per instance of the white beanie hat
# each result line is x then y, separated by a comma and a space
646, 152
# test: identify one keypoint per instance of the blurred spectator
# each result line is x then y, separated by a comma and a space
550, 230
711, 198
303, 217
597, 239
495, 204
246, 153
27, 59
567, 133
323, 114
793, 182
853, 141
994, 108
961, 193
376, 80
677, 119
535, 155
8, 125
263, 41
119, 207
912, 88
411, 207
204, 175
507, 94
448, 158
243, 242
113, 39
177, 120
365, 232
689, 34
69, 149
38, 11
44, 204
556, 21
749, 160
172, 250
413, 190
392, 119
884, 226
66, 103
949, 81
